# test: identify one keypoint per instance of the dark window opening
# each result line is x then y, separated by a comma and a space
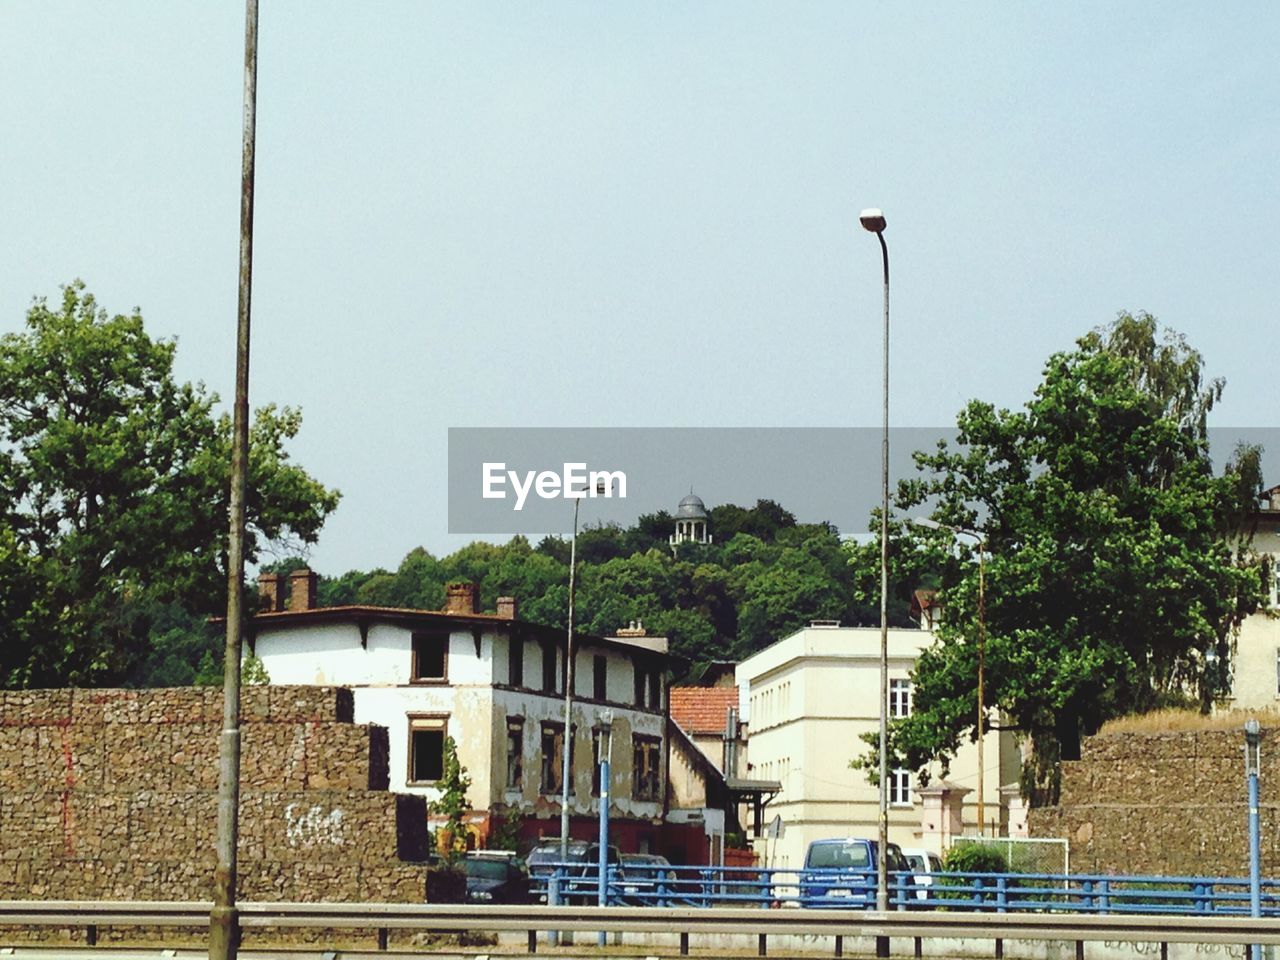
639, 678
515, 661
548, 668
515, 754
426, 750
645, 758
600, 677
655, 690
553, 760
430, 656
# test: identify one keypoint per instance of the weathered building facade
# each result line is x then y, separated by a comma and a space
495, 684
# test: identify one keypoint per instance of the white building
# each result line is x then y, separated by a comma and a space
808, 700
1255, 667
495, 685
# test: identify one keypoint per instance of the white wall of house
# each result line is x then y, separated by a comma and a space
809, 698
475, 704
1256, 665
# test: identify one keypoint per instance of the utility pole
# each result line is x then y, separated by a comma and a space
224, 919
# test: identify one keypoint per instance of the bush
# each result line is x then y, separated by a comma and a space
966, 859
974, 858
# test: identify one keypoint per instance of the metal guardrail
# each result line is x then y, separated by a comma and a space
711, 886
840, 924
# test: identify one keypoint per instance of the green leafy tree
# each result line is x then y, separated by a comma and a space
1116, 572
114, 485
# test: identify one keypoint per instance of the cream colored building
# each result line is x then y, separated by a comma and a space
1256, 666
808, 699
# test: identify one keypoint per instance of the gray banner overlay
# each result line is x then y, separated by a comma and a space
818, 473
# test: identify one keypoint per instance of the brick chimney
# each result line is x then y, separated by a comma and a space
270, 592
507, 608
302, 590
460, 598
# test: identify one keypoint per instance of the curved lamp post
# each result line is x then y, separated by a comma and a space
873, 221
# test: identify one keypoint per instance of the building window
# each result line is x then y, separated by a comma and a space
553, 759
900, 787
430, 656
646, 756
548, 668
515, 753
426, 749
655, 690
639, 691
899, 698
600, 677
515, 661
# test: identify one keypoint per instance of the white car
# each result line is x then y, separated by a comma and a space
924, 864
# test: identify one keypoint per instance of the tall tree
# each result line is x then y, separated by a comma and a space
113, 491
1115, 576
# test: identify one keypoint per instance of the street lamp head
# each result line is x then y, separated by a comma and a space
926, 522
872, 220
1252, 731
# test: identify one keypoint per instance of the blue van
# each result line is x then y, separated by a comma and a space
841, 872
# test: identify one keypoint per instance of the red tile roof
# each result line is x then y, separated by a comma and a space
702, 709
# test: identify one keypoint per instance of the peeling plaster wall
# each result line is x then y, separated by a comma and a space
477, 701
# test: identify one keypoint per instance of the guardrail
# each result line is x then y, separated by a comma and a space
682, 886
839, 924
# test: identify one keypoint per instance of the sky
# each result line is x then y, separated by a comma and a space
644, 215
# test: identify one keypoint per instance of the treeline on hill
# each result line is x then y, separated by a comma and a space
765, 576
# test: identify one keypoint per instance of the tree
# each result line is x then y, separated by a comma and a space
1116, 567
114, 485
452, 804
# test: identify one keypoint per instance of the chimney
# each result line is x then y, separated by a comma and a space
507, 608
302, 590
633, 629
460, 598
270, 592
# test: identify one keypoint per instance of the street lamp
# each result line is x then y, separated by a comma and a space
873, 221
982, 643
1252, 767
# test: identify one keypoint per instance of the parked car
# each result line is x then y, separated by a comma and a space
646, 878
841, 872
924, 865
495, 879
580, 877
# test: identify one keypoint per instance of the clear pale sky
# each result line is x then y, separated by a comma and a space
590, 214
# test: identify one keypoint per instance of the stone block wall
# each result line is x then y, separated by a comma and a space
1169, 804
111, 794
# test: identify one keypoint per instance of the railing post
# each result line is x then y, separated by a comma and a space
1104, 896
1198, 891
977, 892
1002, 896
1086, 894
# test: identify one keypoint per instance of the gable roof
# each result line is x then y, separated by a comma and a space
702, 710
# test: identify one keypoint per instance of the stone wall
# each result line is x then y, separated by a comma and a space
1169, 804
111, 794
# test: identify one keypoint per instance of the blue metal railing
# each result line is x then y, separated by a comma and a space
710, 886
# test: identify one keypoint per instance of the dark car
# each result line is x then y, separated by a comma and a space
493, 879
841, 872
580, 872
646, 879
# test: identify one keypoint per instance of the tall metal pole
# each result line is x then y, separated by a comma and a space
982, 643
606, 755
224, 920
565, 773
873, 220
1252, 766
